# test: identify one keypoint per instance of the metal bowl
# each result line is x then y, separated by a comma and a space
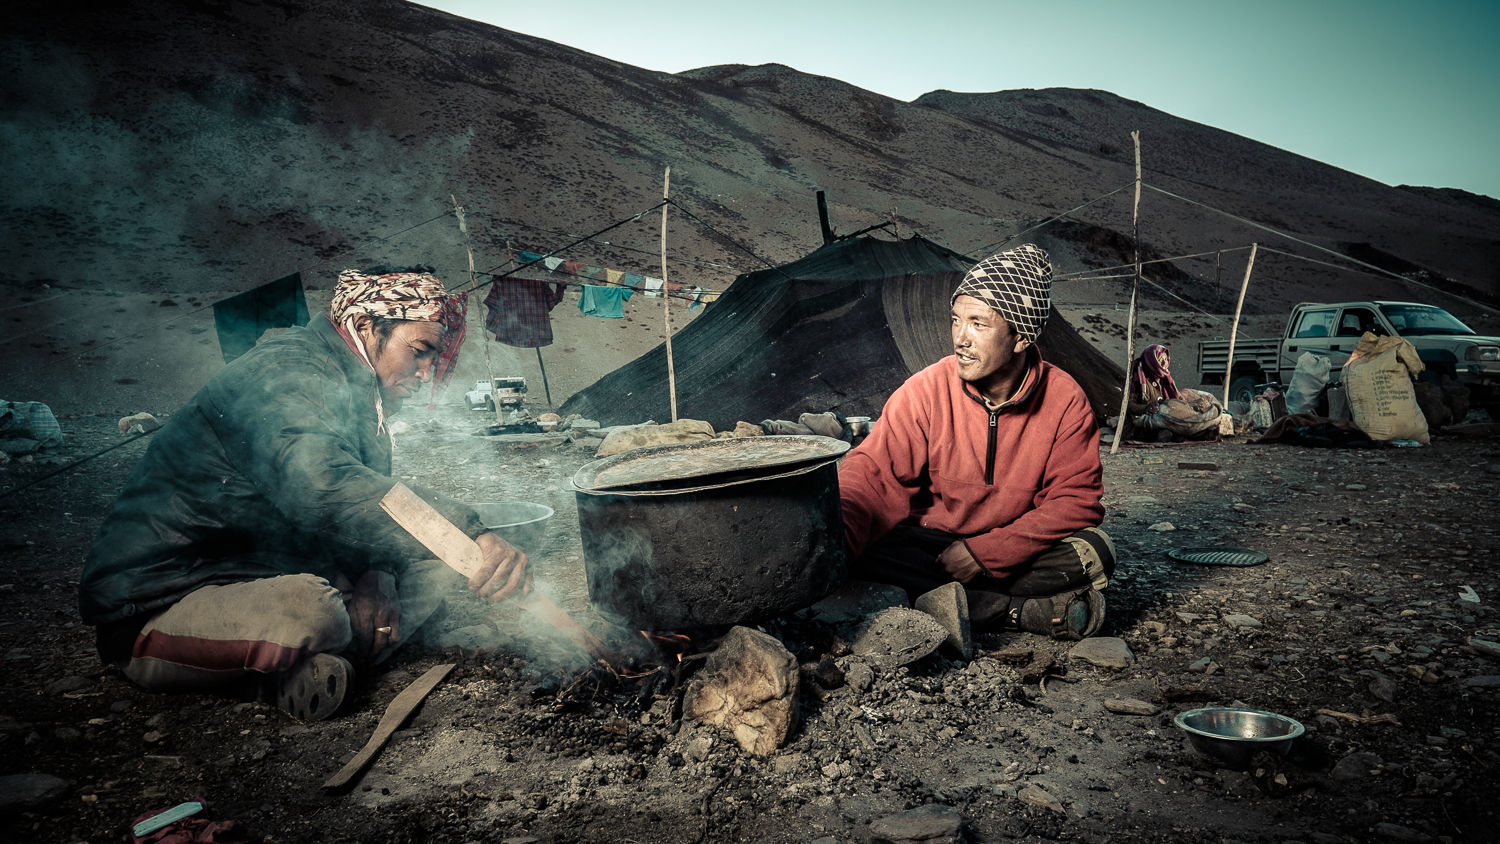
521, 523
1230, 736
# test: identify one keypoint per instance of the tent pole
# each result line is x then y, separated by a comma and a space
545, 388
666, 295
1234, 328
823, 219
1135, 287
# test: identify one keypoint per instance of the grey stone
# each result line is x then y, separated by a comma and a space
1162, 527
934, 824
681, 431
1384, 686
748, 686
24, 791
1035, 795
1103, 651
949, 605
858, 674
1397, 832
138, 423
1130, 706
898, 636
1355, 766
1483, 681
1485, 647
1239, 622
64, 685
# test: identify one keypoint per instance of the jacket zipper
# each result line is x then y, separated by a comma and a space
989, 452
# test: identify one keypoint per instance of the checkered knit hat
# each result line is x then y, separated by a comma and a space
1017, 284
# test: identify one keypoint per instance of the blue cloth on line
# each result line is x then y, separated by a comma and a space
606, 302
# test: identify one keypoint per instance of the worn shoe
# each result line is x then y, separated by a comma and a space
314, 688
1068, 615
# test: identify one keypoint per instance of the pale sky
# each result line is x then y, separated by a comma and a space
1401, 92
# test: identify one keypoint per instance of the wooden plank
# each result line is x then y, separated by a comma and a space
427, 525
395, 715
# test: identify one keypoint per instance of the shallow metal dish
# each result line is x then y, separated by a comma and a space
1230, 736
521, 523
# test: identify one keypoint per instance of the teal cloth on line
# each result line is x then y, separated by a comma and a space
241, 319
606, 302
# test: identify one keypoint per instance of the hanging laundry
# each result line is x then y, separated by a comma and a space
592, 271
606, 302
573, 267
613, 276
633, 281
552, 263
529, 257
695, 298
520, 311
710, 296
652, 286
241, 319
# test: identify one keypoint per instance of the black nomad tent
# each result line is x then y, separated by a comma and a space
839, 329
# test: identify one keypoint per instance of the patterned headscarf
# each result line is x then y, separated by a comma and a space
1017, 284
416, 296
1148, 367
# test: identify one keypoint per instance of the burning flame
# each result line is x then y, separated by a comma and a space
674, 643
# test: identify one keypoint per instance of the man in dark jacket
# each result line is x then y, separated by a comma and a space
249, 544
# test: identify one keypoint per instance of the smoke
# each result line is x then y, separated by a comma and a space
223, 173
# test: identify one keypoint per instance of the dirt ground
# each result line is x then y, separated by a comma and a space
1369, 624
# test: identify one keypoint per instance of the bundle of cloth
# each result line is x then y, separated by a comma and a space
1157, 406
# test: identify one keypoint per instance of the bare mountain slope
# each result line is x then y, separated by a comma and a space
170, 150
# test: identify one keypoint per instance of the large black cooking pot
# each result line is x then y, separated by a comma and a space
712, 533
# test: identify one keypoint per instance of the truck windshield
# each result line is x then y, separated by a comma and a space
1423, 319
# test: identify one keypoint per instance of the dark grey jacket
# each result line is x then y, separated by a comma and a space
274, 467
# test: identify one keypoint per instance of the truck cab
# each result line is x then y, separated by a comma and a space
1450, 349
1330, 331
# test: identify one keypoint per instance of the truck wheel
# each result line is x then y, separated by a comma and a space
1242, 389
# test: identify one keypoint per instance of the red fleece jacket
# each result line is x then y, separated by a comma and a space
928, 454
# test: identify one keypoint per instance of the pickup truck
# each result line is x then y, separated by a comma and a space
1449, 348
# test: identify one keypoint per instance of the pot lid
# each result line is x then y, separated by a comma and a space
700, 461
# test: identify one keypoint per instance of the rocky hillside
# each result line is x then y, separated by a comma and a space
164, 142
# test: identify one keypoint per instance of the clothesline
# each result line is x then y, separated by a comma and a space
989, 249
712, 266
561, 268
1079, 275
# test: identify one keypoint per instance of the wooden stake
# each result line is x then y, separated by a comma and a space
1135, 287
666, 298
1234, 328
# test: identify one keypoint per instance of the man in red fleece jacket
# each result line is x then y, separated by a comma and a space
984, 469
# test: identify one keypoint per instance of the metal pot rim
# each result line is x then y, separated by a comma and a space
816, 451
